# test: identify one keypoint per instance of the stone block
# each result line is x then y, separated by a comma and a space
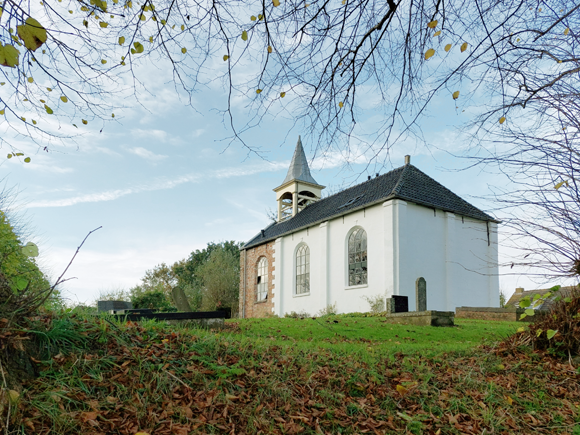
180, 300
422, 318
421, 294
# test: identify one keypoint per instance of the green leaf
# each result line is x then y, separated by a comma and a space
525, 302
27, 159
550, 333
32, 33
138, 47
30, 250
537, 296
48, 110
121, 40
9, 56
21, 283
530, 312
539, 332
244, 36
523, 316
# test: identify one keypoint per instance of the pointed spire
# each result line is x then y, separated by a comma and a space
299, 169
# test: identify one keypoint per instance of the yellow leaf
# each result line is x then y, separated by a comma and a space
502, 120
9, 55
27, 159
231, 397
343, 1
48, 110
521, 329
138, 47
112, 115
258, 91
306, 5
463, 47
23, 118
282, 94
270, 49
509, 400
85, 122
455, 95
64, 99
151, 39
13, 396
32, 33
163, 22
448, 47
34, 122
103, 61
9, 156
85, 23
429, 53
121, 40
182, 27
103, 24
560, 184
70, 12
49, 89
184, 50
30, 80
566, 31
402, 390
437, 33
341, 104
226, 57
2, 112
253, 18
260, 16
432, 24
276, 3
141, 433
244, 36
2, 83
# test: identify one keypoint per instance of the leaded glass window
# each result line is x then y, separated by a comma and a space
357, 258
303, 270
262, 280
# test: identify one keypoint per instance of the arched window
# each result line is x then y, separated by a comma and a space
303, 270
262, 280
357, 258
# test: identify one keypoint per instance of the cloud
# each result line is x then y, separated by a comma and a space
160, 184
146, 154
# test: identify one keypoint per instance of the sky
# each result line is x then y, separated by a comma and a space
163, 180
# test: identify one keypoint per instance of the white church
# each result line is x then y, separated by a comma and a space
378, 238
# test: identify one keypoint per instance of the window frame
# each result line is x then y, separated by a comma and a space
302, 264
262, 279
357, 255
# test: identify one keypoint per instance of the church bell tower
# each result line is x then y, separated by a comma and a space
298, 189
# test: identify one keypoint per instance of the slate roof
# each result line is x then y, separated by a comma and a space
299, 169
564, 292
407, 183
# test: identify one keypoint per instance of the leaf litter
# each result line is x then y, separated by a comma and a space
159, 379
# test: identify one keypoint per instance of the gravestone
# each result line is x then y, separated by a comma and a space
421, 294
105, 306
180, 300
397, 304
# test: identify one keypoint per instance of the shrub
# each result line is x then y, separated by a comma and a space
376, 302
152, 300
329, 310
559, 330
297, 315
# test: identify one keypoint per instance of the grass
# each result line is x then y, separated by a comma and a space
355, 335
289, 376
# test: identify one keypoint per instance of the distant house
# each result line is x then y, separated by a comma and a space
400, 233
564, 292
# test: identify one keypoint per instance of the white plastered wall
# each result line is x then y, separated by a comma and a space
405, 241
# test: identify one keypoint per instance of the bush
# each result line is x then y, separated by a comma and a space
152, 300
559, 330
297, 315
376, 302
329, 310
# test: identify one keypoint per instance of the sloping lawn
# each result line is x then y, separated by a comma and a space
288, 376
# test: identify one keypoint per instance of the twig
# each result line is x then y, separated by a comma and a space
60, 280
178, 380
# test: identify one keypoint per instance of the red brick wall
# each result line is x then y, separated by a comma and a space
250, 266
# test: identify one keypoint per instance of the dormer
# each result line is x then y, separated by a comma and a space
298, 189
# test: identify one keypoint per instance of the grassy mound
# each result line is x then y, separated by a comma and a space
121, 378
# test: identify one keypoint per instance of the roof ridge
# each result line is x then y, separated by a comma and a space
399, 181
